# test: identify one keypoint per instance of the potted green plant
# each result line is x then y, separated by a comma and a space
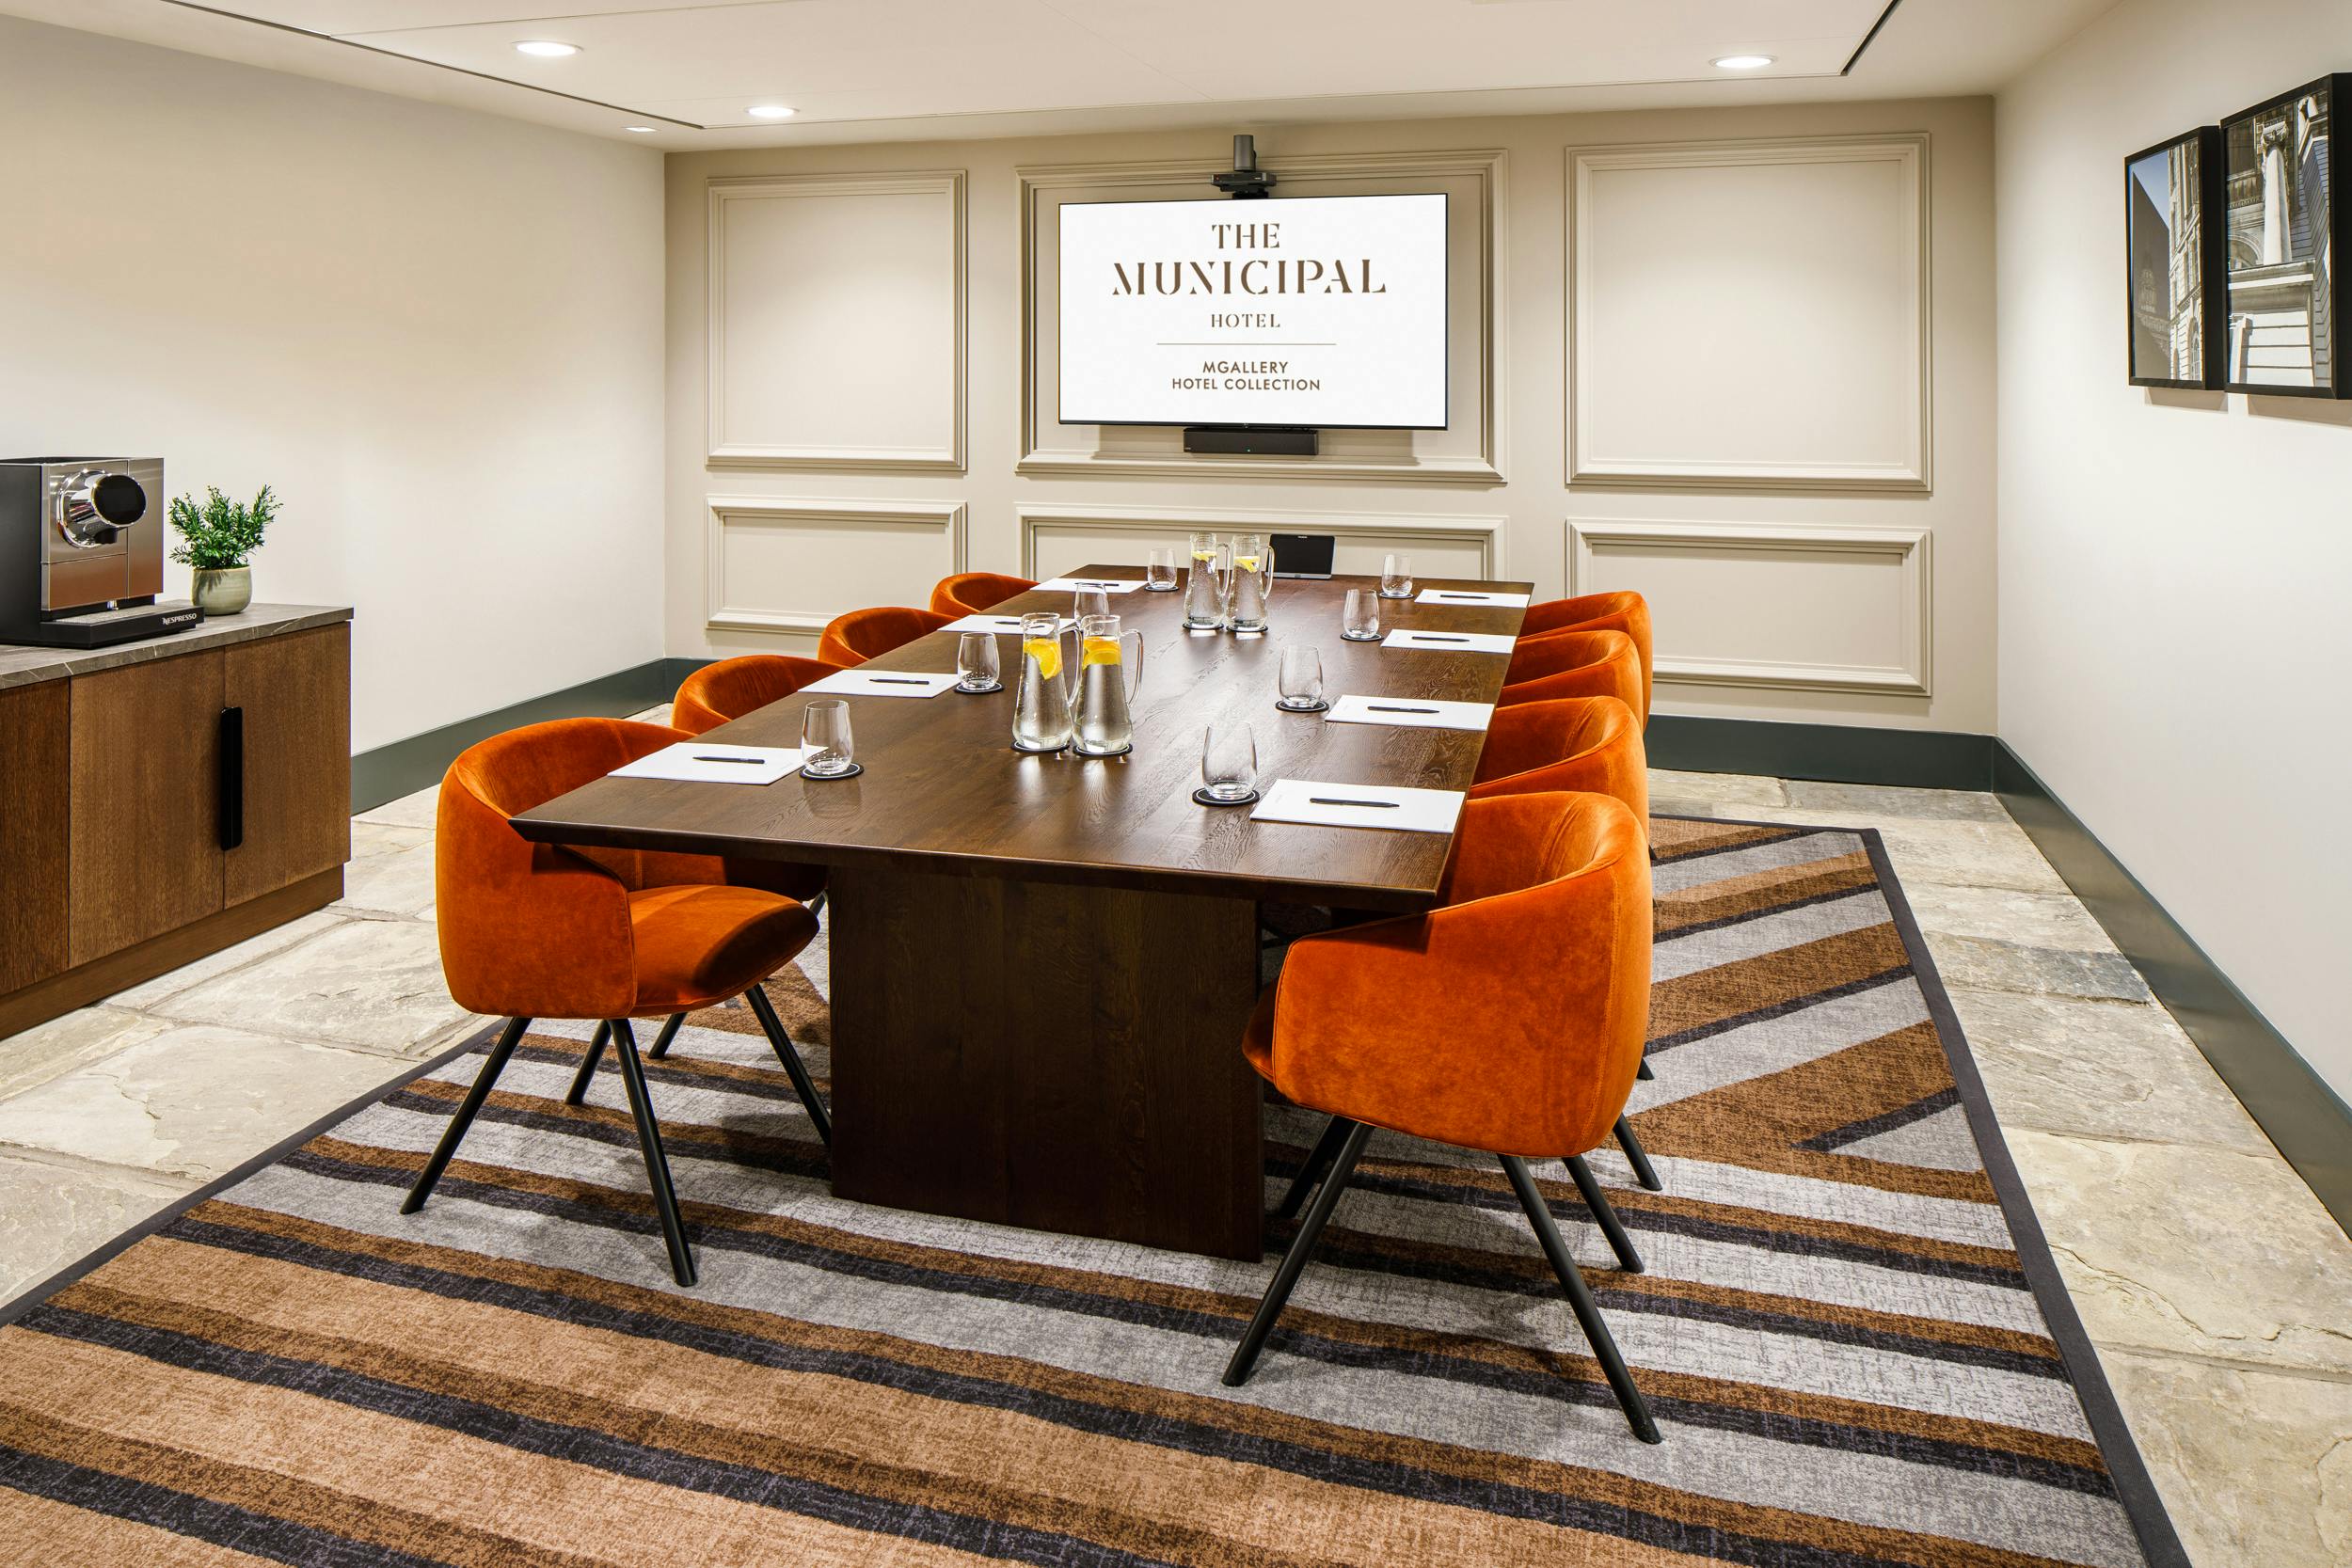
218, 539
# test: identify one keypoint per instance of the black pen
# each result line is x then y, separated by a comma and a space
751, 762
1432, 636
1439, 593
1330, 801
896, 680
1382, 707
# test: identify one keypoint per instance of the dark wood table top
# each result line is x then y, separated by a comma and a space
943, 789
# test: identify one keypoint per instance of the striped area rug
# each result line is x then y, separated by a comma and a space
1849, 1330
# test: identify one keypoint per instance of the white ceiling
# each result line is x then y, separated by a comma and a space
874, 69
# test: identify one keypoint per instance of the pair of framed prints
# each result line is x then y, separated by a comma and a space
2237, 267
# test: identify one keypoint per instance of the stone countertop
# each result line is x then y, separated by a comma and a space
24, 666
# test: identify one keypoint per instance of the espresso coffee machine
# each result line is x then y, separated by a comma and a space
82, 552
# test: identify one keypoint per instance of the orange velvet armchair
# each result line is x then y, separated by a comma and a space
536, 930
1625, 611
718, 693
1574, 664
864, 634
1510, 1020
970, 593
1579, 745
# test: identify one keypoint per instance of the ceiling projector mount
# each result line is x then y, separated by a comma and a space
1245, 180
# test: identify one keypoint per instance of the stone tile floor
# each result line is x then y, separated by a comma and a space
2216, 1290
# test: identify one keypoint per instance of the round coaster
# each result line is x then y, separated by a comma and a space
979, 690
1359, 637
1317, 706
852, 771
1039, 750
1204, 797
1386, 595
1159, 588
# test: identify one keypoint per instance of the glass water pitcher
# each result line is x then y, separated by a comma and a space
1251, 584
1110, 667
1043, 701
1204, 591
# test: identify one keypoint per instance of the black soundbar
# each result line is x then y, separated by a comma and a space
1254, 440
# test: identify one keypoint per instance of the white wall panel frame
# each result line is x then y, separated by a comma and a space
1346, 456
933, 450
1906, 552
1904, 464
885, 521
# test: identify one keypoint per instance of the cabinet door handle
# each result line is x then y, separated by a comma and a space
232, 777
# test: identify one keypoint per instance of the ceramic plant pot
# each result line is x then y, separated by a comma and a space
223, 590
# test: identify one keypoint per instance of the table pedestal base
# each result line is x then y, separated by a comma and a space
1052, 1056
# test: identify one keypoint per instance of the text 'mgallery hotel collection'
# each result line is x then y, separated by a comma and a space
1371, 782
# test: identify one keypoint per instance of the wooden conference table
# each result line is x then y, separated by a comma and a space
1041, 966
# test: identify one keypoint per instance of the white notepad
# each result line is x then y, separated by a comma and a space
1009, 624
1108, 585
709, 762
1474, 596
1428, 713
879, 683
1452, 642
1331, 805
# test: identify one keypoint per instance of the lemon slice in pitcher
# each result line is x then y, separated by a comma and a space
1246, 563
1047, 652
1101, 650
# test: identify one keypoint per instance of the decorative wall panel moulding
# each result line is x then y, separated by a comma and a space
843, 555
1751, 315
1170, 523
1348, 457
1797, 582
905, 412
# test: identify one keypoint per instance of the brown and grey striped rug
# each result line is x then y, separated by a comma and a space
1851, 1331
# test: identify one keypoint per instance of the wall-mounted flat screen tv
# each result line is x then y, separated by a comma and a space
1325, 311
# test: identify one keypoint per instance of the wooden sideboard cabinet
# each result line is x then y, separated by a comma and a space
163, 799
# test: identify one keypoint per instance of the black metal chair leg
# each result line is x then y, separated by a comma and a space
649, 1140
1637, 1156
578, 1093
660, 1046
1245, 1359
1643, 1070
1604, 1212
1580, 1297
802, 1084
814, 903
455, 1133
1318, 1161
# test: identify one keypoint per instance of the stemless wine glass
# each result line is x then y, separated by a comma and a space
1229, 763
1361, 620
1159, 571
825, 748
1301, 681
1088, 601
1396, 578
975, 662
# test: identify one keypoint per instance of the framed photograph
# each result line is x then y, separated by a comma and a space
2285, 233
2171, 194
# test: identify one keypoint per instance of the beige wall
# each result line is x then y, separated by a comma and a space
1799, 474
2173, 565
436, 334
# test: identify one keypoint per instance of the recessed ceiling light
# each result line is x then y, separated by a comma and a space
1742, 63
770, 111
546, 49
639, 130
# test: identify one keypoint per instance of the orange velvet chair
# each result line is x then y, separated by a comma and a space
1625, 611
1511, 1020
864, 634
970, 593
717, 693
1574, 664
536, 930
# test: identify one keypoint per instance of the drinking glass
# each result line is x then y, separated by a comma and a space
1159, 572
1229, 763
825, 748
1396, 578
1302, 681
1088, 601
1360, 620
975, 662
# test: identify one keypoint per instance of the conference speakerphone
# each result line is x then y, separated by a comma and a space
1252, 440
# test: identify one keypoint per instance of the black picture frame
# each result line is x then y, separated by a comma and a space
2293, 211
2155, 299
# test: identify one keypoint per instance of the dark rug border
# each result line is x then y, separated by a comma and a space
18, 1305
2159, 1541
